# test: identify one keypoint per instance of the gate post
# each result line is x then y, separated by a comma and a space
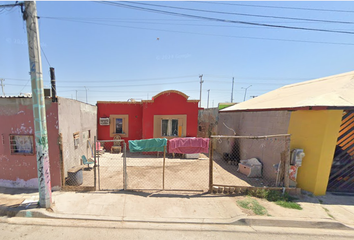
94, 165
124, 166
163, 169
211, 165
287, 161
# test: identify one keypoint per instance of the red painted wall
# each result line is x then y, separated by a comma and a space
170, 103
141, 115
16, 117
134, 110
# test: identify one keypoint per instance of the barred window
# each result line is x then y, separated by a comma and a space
21, 144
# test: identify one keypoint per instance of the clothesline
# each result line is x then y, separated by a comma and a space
189, 145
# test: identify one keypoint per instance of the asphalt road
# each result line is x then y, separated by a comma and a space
32, 228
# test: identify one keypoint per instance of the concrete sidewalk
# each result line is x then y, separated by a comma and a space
330, 211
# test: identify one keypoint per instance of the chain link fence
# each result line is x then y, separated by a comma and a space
110, 157
78, 171
250, 161
144, 170
174, 172
233, 161
187, 172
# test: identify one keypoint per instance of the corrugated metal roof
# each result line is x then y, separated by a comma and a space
332, 91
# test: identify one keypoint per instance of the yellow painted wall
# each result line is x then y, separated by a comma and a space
315, 131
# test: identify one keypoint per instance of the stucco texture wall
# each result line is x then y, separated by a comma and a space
316, 132
254, 124
170, 103
208, 122
133, 110
16, 117
81, 118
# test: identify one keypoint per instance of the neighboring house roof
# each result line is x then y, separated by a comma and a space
333, 92
19, 96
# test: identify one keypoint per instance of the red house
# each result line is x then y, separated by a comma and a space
168, 115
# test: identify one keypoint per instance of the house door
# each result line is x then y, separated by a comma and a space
342, 173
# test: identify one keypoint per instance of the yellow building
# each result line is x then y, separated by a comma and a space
320, 118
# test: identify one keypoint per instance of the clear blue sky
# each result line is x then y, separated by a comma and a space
120, 53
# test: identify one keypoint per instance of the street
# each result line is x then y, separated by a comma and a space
39, 228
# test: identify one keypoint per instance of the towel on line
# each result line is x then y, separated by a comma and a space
188, 145
147, 145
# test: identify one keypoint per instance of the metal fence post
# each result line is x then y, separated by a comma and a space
210, 165
163, 169
124, 166
99, 176
94, 165
287, 161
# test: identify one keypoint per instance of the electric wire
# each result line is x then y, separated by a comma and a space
279, 7
204, 34
223, 20
121, 80
243, 14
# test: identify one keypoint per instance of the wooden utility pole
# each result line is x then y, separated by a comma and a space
39, 112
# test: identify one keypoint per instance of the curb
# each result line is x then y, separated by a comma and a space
242, 221
295, 223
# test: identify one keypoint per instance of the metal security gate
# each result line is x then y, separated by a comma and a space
161, 171
125, 170
342, 173
110, 165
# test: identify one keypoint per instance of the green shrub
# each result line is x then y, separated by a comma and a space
284, 200
253, 205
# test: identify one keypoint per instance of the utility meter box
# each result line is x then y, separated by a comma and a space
296, 157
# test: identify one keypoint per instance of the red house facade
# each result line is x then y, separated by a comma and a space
168, 115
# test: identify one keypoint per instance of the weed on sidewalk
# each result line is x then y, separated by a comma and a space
253, 205
283, 200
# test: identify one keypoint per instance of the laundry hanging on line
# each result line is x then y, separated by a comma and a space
147, 145
188, 145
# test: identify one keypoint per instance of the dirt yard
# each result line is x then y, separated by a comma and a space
145, 172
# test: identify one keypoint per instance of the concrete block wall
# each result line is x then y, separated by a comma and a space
255, 124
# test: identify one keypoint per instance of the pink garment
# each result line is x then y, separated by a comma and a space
98, 146
188, 145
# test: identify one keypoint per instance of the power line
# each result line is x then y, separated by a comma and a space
10, 5
45, 57
164, 22
244, 14
281, 7
204, 34
222, 20
120, 80
118, 86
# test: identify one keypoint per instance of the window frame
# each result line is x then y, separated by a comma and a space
13, 144
113, 127
169, 127
182, 125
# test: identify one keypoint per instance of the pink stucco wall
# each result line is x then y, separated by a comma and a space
16, 117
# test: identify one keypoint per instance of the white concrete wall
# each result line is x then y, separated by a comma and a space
255, 124
75, 116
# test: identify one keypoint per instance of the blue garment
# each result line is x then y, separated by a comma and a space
147, 145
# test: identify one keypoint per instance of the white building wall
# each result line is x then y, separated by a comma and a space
81, 118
